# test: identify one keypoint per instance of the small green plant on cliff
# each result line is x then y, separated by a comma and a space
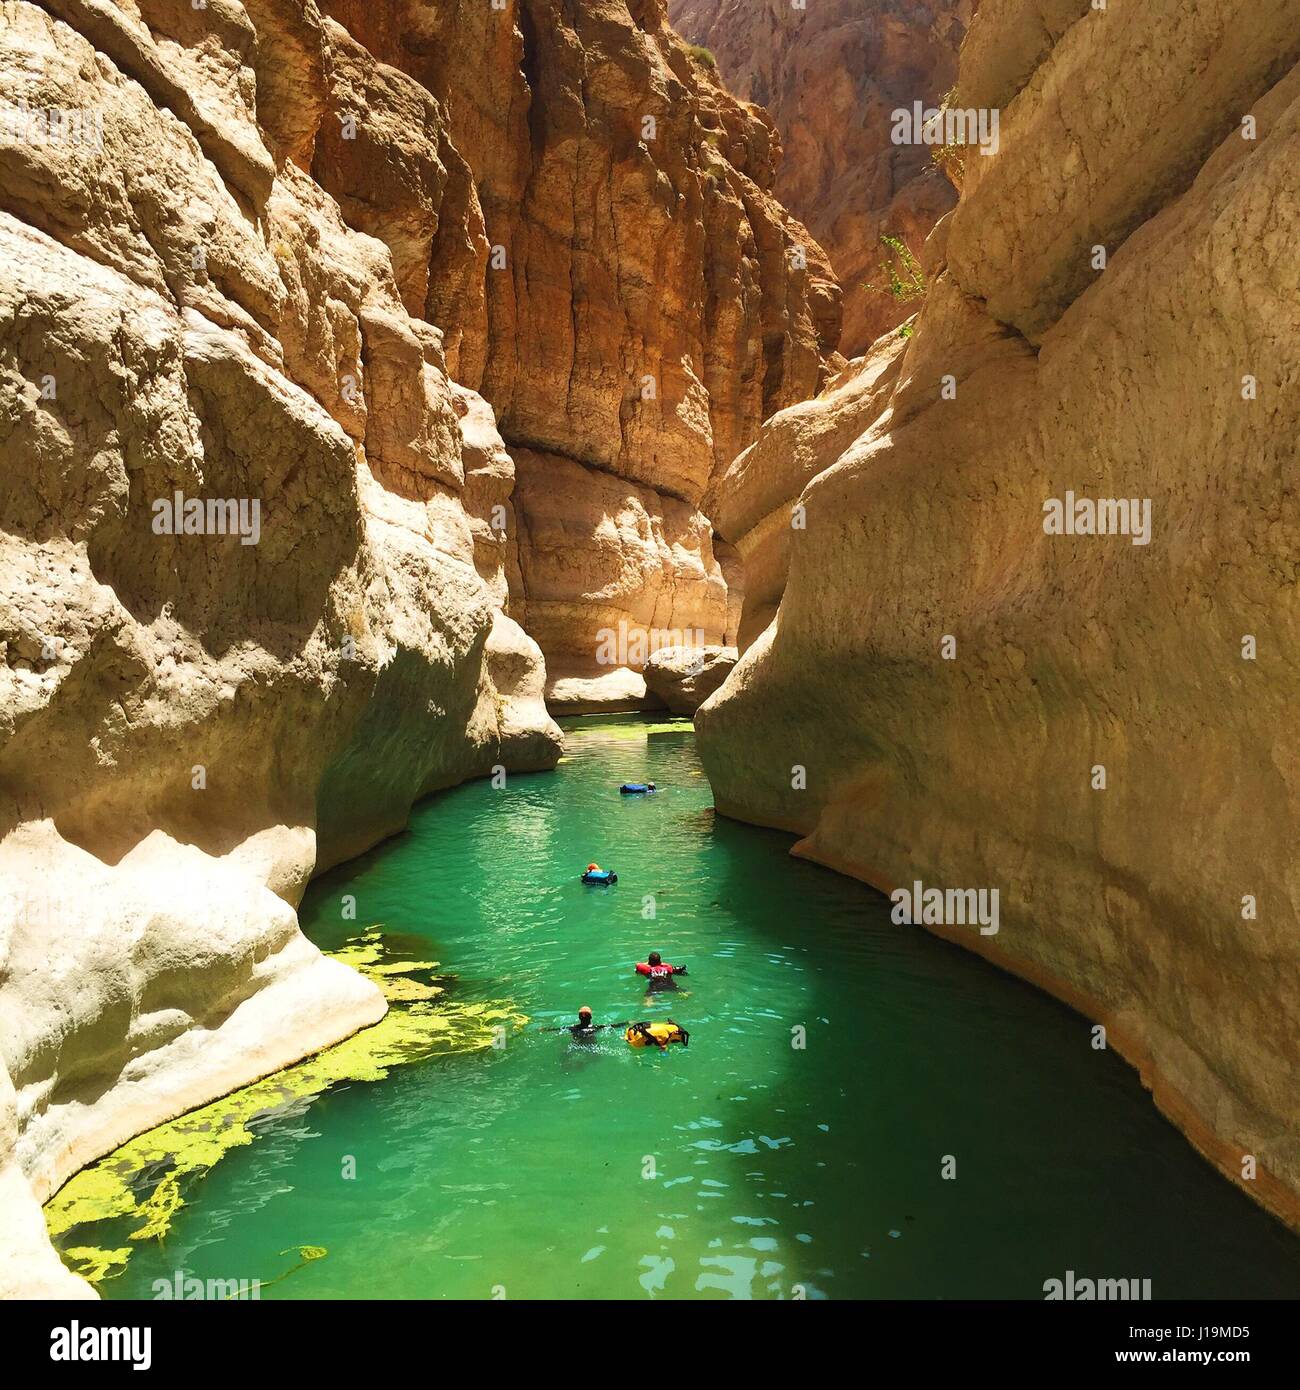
702, 55
900, 272
949, 157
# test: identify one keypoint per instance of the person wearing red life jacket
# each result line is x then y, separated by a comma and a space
658, 974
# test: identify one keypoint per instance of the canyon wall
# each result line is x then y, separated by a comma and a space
628, 295
338, 343
200, 709
830, 74
752, 501
956, 689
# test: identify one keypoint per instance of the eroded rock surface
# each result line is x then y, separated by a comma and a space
472, 303
946, 683
627, 293
201, 299
830, 74
606, 563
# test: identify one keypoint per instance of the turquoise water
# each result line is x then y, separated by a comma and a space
740, 1166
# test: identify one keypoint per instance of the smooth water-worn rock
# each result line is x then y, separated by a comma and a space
200, 305
830, 74
1099, 727
684, 677
607, 565
754, 502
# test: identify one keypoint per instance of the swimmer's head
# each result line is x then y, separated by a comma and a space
593, 868
651, 785
584, 1014
656, 958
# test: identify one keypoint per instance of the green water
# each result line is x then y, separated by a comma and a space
740, 1166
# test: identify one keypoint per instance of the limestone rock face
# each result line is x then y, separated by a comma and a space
830, 74
625, 290
754, 504
610, 571
210, 296
1099, 726
684, 677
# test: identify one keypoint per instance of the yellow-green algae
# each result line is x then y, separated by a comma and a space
144, 1179
96, 1265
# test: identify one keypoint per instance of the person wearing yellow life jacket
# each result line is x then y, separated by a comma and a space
659, 1034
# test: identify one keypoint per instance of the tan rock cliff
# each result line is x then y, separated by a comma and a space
1164, 904
829, 74
627, 293
331, 259
190, 725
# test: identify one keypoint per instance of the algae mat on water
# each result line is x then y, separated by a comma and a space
142, 1185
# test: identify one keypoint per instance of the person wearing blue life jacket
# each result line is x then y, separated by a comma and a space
636, 788
595, 874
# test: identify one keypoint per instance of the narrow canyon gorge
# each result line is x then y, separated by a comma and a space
831, 73
382, 381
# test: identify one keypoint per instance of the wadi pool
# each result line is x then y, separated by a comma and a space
742, 1166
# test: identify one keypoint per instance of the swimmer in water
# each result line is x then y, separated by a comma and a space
659, 976
585, 1030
